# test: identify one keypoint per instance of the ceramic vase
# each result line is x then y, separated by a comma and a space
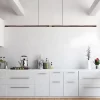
89, 64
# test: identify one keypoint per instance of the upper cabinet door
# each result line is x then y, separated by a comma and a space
50, 12
74, 14
1, 32
30, 17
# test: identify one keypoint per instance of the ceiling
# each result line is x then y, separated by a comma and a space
82, 5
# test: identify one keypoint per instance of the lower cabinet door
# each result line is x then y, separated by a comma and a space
2, 90
71, 88
89, 90
20, 90
42, 90
42, 83
56, 88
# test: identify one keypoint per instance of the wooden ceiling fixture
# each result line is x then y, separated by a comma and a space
17, 7
95, 7
50, 26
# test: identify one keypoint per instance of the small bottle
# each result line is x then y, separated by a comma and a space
1, 59
0, 62
51, 65
40, 63
4, 62
45, 64
4, 59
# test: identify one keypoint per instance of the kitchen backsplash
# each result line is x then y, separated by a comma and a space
65, 47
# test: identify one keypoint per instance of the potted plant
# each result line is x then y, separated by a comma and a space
97, 62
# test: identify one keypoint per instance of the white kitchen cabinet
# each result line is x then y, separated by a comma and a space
30, 17
89, 77
2, 90
89, 90
56, 83
89, 83
50, 12
73, 15
71, 88
20, 90
42, 83
71, 83
49, 83
1, 32
3, 79
2, 73
20, 77
20, 83
89, 74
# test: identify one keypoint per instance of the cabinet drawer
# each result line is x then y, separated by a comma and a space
71, 75
2, 73
56, 76
2, 90
89, 90
20, 77
89, 81
89, 74
20, 73
42, 89
20, 90
56, 88
42, 77
20, 80
71, 88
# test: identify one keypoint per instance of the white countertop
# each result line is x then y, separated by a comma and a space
55, 70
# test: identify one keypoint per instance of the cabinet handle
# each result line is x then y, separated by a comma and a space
91, 87
42, 73
70, 82
71, 72
55, 81
19, 87
56, 72
19, 78
91, 78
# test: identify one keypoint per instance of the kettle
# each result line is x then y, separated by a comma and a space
23, 61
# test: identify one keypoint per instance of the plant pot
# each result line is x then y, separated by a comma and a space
97, 66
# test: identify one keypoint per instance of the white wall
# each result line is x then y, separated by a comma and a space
65, 47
